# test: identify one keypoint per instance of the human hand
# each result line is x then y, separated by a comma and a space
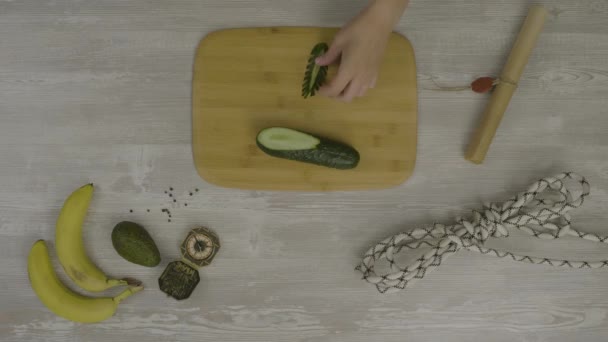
360, 46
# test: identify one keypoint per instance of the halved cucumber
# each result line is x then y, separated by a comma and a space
287, 143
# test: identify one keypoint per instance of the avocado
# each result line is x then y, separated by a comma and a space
133, 243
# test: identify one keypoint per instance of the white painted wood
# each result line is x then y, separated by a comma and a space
99, 91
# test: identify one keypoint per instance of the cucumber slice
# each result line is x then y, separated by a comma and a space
314, 76
287, 143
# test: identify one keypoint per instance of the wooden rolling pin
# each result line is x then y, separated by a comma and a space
507, 83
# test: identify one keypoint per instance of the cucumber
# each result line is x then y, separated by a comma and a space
314, 76
287, 143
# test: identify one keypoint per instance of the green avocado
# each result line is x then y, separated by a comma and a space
133, 243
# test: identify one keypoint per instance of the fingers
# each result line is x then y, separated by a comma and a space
352, 80
336, 86
331, 55
354, 89
351, 91
345, 88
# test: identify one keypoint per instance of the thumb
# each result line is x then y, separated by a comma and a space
331, 55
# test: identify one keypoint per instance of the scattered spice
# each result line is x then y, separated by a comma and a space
174, 198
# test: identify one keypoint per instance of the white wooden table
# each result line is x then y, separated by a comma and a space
99, 91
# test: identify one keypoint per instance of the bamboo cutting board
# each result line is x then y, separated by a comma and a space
247, 79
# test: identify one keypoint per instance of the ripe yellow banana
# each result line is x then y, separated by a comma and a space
63, 301
70, 246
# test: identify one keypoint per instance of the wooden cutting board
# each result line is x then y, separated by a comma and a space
246, 79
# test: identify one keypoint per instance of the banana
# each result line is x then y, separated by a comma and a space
70, 247
63, 301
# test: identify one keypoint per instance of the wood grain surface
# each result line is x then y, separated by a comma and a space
101, 91
248, 79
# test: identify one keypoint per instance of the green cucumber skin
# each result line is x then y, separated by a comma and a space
328, 153
311, 84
